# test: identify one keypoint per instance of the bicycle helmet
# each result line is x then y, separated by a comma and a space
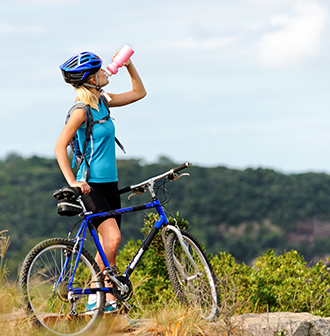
77, 69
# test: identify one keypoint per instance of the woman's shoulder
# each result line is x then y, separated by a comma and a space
78, 115
78, 112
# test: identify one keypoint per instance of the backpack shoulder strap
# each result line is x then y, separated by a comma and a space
77, 155
74, 107
105, 102
88, 133
89, 117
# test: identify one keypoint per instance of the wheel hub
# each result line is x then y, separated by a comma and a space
62, 291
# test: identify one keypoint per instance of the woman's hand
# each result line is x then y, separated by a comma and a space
83, 186
128, 63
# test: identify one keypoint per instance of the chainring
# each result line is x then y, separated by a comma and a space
117, 292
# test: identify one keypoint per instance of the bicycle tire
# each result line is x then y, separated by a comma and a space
49, 308
201, 291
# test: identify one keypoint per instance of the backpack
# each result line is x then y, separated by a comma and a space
78, 156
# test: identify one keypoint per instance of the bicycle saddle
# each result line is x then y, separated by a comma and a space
66, 193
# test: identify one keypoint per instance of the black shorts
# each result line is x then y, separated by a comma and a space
103, 197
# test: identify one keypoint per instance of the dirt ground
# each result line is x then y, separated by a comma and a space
112, 324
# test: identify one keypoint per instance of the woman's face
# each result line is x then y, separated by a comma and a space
103, 77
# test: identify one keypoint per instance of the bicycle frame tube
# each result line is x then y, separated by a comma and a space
147, 241
154, 204
143, 248
82, 232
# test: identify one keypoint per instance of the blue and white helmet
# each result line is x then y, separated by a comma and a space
77, 69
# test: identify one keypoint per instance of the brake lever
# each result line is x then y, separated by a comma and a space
175, 176
136, 192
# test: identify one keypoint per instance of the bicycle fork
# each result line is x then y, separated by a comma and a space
186, 251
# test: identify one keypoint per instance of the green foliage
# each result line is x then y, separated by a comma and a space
241, 212
283, 333
275, 283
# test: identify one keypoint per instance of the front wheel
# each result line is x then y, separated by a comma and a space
193, 280
47, 300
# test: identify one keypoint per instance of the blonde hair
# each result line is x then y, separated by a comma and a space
87, 97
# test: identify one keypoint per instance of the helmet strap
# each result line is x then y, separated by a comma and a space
97, 86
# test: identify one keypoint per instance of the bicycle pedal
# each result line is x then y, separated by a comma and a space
127, 306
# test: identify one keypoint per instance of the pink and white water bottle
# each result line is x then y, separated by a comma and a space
122, 57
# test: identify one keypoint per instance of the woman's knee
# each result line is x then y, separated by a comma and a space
115, 241
112, 243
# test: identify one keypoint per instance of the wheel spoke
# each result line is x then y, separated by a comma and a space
49, 304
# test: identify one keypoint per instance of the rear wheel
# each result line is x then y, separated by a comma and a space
47, 302
194, 285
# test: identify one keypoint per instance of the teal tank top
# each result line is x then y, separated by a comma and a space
101, 151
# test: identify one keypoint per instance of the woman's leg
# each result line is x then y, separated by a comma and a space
109, 235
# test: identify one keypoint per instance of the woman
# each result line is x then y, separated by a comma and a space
100, 192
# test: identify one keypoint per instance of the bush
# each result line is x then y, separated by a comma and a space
274, 283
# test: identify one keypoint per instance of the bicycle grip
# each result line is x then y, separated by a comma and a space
183, 166
124, 190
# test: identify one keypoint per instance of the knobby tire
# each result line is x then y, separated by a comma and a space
199, 291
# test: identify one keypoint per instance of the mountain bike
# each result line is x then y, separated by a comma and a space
58, 275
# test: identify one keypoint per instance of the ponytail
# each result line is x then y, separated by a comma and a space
87, 97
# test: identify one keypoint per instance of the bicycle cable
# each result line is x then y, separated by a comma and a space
73, 227
167, 198
166, 195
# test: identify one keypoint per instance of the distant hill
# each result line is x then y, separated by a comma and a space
243, 212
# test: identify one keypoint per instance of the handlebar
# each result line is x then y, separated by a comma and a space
139, 188
124, 190
181, 167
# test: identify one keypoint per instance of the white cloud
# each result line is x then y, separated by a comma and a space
295, 38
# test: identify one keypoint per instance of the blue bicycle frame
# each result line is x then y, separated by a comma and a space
80, 237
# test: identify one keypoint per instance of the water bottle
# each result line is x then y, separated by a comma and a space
122, 57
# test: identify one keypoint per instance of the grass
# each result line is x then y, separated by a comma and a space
161, 318
171, 320
4, 244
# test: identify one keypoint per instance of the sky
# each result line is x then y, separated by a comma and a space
239, 83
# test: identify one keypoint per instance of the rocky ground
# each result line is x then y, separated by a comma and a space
267, 324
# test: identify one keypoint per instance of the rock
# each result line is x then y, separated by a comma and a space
271, 324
